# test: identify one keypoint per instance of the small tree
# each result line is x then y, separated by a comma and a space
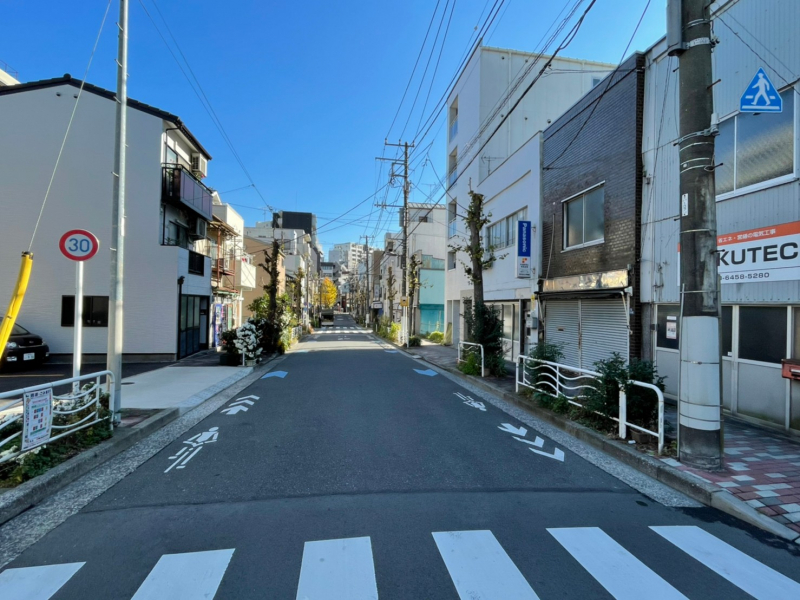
299, 276
328, 293
392, 292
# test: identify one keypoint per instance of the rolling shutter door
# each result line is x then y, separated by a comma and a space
604, 329
562, 322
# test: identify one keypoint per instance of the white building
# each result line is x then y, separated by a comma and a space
348, 254
167, 283
758, 211
506, 171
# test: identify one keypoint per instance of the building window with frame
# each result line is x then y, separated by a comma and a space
754, 148
452, 215
762, 333
584, 219
95, 311
503, 233
451, 260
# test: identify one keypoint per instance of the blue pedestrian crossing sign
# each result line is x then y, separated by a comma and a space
761, 96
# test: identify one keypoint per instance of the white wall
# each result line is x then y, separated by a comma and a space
31, 131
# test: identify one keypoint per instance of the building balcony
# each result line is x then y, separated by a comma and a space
223, 266
180, 188
245, 276
453, 130
452, 228
452, 176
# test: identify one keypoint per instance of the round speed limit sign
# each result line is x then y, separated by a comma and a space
79, 244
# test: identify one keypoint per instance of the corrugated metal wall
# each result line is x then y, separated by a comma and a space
752, 34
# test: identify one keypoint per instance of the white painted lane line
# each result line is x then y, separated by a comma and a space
741, 570
186, 576
480, 568
616, 569
338, 570
36, 583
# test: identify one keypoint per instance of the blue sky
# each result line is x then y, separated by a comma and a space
306, 91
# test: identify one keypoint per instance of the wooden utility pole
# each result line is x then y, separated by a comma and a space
699, 405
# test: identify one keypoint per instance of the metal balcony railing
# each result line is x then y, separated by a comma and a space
452, 176
452, 228
179, 186
453, 129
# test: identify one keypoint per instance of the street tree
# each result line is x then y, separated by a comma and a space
328, 293
391, 280
414, 263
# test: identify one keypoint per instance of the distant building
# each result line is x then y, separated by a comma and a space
349, 254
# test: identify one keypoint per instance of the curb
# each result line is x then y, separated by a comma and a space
32, 492
678, 480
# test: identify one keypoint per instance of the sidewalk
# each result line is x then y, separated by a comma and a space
761, 468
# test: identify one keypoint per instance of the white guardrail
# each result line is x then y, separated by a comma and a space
460, 360
555, 379
297, 332
84, 403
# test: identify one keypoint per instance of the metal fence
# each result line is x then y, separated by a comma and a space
84, 403
555, 379
462, 345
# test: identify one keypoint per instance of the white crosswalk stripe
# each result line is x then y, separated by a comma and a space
185, 576
616, 569
744, 572
36, 583
338, 570
480, 568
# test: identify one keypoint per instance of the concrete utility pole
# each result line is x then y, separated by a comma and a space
369, 291
115, 313
700, 407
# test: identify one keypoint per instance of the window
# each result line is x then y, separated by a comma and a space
452, 214
451, 260
452, 167
170, 156
196, 263
503, 233
762, 333
755, 147
668, 326
726, 324
95, 311
423, 218
596, 81
584, 222
453, 120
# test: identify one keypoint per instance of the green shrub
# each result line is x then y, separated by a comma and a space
484, 327
537, 373
414, 340
437, 337
471, 365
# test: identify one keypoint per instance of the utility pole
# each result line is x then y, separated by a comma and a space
404, 258
115, 312
699, 407
369, 291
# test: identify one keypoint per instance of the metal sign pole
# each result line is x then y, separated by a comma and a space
77, 344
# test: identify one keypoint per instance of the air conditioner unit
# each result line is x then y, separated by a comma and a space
199, 165
198, 228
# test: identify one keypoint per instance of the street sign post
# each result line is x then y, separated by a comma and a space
761, 96
523, 249
78, 245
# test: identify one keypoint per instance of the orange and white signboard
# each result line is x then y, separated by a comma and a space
764, 254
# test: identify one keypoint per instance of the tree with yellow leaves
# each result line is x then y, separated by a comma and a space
328, 294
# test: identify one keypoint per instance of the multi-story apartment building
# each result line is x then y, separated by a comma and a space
7, 75
498, 155
349, 254
758, 211
167, 282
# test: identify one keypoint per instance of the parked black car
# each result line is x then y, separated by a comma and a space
24, 347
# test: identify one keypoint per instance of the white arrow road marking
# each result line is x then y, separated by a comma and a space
428, 372
280, 374
468, 400
232, 410
557, 454
250, 402
538, 442
185, 576
390, 351
247, 398
333, 569
480, 568
36, 583
508, 428
620, 572
744, 572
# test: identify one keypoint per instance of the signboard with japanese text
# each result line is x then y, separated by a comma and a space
37, 418
764, 254
523, 249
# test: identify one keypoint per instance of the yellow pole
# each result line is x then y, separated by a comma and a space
16, 299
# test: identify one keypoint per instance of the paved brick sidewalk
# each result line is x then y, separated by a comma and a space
760, 468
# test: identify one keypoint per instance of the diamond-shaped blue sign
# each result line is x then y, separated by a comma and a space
761, 96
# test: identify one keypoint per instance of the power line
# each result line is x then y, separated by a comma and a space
201, 95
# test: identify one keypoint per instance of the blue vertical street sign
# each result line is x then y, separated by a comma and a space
523, 249
761, 96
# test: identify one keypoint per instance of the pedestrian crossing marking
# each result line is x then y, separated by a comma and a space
338, 569
185, 576
622, 574
36, 583
746, 573
480, 568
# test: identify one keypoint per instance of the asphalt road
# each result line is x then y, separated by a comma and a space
358, 472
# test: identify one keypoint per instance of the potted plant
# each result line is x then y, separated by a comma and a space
247, 343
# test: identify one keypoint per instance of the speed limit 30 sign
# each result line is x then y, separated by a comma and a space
79, 245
